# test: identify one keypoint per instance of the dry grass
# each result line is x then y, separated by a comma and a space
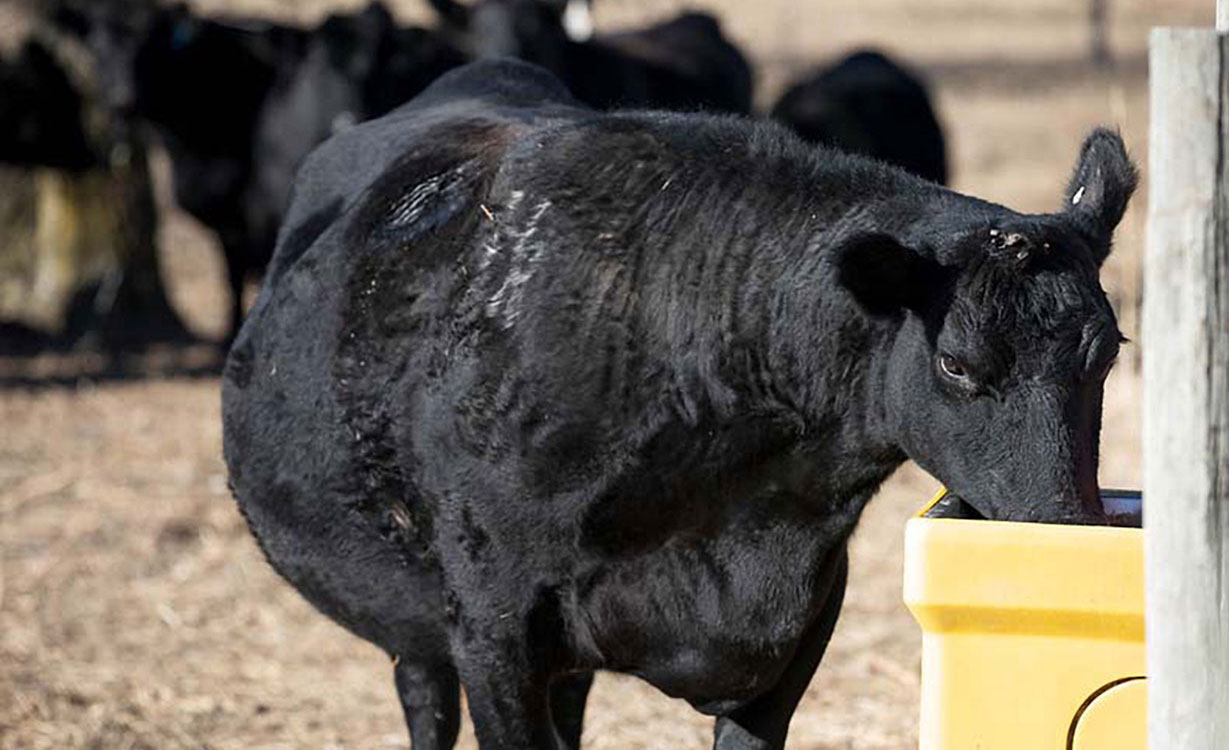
135, 611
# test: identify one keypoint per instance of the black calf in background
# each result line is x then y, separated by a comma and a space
239, 103
202, 85
683, 64
867, 104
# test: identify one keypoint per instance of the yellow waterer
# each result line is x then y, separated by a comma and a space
1033, 634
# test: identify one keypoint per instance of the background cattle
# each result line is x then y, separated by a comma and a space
202, 85
684, 63
534, 392
239, 103
868, 104
235, 147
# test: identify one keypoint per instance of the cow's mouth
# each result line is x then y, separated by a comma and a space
1122, 508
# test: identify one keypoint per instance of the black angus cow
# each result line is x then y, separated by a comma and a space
532, 391
867, 104
41, 112
202, 85
683, 64
239, 103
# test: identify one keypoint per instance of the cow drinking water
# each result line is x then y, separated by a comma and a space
533, 391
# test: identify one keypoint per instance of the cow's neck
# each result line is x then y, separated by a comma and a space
789, 342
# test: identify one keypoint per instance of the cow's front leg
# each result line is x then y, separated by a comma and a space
568, 695
508, 700
763, 723
504, 640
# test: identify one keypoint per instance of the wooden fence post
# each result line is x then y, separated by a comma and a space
1186, 391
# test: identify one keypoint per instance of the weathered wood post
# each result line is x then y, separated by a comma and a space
1186, 390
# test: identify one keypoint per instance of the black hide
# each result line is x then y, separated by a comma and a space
533, 391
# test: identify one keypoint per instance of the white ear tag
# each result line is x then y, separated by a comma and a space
578, 20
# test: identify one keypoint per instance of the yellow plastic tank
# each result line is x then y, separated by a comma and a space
1032, 634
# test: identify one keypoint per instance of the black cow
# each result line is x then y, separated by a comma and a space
240, 103
202, 84
41, 113
533, 391
683, 64
867, 104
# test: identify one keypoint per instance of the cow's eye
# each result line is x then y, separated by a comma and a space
953, 369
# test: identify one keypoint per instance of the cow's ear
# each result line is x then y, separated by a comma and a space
887, 278
1100, 188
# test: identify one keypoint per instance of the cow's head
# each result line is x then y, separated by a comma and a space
1002, 341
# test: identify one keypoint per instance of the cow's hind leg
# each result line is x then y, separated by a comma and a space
430, 698
567, 707
763, 723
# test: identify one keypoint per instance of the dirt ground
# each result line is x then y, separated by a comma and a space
137, 614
